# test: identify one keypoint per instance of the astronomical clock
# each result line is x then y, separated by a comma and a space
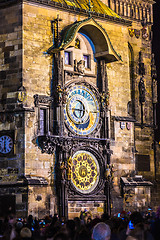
86, 153
80, 137
82, 110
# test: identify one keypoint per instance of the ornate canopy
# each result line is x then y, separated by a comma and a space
102, 43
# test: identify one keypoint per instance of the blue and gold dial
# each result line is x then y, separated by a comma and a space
82, 110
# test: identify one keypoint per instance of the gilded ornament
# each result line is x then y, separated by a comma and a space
69, 166
84, 171
77, 43
22, 94
131, 32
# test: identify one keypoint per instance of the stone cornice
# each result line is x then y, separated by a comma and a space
138, 1
6, 3
81, 11
125, 119
148, 1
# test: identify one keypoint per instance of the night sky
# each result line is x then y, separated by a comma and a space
156, 51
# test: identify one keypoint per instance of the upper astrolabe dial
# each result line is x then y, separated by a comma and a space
81, 112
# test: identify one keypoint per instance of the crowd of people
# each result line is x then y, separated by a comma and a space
123, 226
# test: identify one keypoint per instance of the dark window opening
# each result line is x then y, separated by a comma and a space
142, 162
67, 58
43, 121
86, 59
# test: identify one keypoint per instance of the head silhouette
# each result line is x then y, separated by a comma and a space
101, 231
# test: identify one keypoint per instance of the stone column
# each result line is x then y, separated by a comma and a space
137, 12
129, 10
63, 199
148, 17
140, 12
151, 15
117, 4
125, 9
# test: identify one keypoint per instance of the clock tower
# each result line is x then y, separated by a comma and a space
78, 94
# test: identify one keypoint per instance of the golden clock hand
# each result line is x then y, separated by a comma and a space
93, 111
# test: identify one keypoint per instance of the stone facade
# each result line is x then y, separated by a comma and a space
34, 75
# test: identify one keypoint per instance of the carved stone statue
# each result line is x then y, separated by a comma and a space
142, 90
109, 173
154, 90
81, 66
63, 170
105, 98
61, 94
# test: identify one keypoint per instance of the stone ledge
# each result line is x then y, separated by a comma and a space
125, 119
35, 180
